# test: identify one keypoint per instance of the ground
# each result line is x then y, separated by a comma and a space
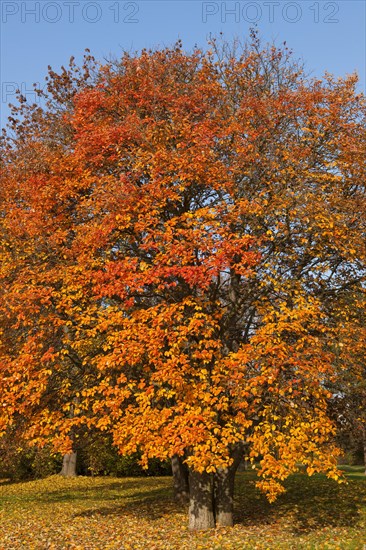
139, 513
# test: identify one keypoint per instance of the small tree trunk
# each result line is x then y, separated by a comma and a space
201, 512
69, 465
224, 497
180, 479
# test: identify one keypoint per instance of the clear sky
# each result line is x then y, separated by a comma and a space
328, 36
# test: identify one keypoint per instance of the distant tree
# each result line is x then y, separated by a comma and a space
348, 386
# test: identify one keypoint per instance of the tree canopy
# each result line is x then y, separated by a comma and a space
180, 232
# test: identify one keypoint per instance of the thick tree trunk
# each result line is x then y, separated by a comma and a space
69, 465
180, 479
224, 483
211, 497
224, 497
364, 448
201, 509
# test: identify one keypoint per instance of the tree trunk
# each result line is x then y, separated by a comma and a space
180, 479
201, 510
69, 465
211, 497
224, 497
224, 483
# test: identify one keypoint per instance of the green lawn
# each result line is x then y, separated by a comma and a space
354, 472
139, 513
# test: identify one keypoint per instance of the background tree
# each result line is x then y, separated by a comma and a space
348, 386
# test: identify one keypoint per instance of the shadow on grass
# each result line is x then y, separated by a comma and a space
148, 508
309, 503
149, 503
129, 488
148, 494
126, 489
4, 482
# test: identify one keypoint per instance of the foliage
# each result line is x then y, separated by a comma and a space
178, 231
98, 456
19, 460
135, 513
348, 402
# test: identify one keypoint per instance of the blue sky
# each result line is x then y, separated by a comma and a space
327, 35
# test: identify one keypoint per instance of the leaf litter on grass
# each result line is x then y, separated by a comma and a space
139, 513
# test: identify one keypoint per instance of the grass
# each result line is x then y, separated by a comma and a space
354, 472
139, 513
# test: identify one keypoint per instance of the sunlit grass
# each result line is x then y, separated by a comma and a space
139, 513
354, 471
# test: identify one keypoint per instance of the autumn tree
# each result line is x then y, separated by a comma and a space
219, 214
41, 368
